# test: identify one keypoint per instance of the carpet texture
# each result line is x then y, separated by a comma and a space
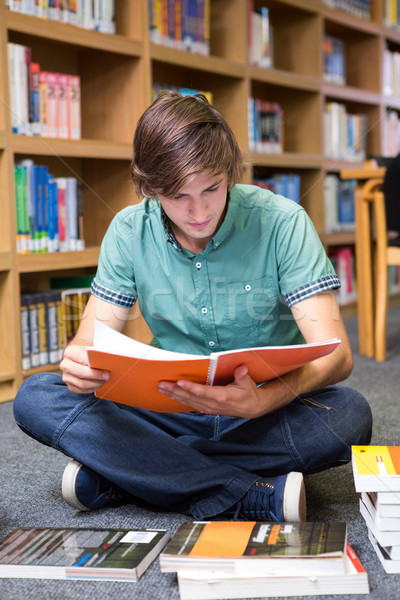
30, 495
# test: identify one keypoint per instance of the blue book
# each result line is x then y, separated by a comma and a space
52, 214
42, 206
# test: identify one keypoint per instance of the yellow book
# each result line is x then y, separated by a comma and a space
376, 468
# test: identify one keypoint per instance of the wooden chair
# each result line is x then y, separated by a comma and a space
386, 210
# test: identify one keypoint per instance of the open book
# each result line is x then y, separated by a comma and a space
136, 369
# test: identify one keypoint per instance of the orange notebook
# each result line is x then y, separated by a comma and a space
136, 368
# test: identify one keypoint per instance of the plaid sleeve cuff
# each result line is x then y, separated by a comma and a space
330, 282
117, 298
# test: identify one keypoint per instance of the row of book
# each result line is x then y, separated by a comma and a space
344, 134
181, 24
260, 36
339, 203
334, 60
284, 184
161, 89
42, 103
214, 559
49, 320
358, 8
88, 14
391, 73
49, 210
376, 471
391, 10
265, 126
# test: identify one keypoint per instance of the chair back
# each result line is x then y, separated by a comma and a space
391, 190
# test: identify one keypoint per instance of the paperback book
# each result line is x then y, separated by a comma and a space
140, 367
376, 468
390, 564
246, 548
72, 553
212, 585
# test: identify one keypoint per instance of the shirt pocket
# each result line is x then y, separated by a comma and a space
248, 307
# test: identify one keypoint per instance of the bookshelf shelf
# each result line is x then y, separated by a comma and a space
22, 144
285, 79
350, 21
31, 263
350, 94
71, 35
187, 60
117, 73
287, 160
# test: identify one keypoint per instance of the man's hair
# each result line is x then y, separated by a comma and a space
179, 137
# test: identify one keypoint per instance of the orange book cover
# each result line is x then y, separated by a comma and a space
136, 369
376, 468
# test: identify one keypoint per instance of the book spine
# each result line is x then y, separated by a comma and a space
52, 104
63, 118
25, 334
74, 107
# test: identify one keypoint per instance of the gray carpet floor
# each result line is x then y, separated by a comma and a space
30, 476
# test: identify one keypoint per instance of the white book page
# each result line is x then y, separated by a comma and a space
109, 340
311, 345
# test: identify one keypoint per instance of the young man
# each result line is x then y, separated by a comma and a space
215, 266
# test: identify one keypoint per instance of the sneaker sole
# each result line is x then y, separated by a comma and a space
294, 498
68, 485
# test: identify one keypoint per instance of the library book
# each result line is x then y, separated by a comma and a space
214, 585
247, 548
136, 369
76, 553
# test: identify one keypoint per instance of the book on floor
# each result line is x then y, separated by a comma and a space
390, 564
136, 369
376, 468
74, 553
385, 523
214, 585
257, 548
384, 537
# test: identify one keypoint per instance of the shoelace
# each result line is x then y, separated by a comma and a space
255, 504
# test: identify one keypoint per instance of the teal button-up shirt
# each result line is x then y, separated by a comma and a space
236, 293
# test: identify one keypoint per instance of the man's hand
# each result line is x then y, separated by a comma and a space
77, 374
241, 398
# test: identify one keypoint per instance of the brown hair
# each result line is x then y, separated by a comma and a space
178, 137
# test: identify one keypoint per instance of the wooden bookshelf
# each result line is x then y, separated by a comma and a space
117, 73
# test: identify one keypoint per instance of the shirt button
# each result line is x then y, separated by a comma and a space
198, 265
217, 243
247, 287
204, 310
211, 344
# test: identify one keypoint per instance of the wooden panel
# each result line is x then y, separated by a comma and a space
70, 35
22, 144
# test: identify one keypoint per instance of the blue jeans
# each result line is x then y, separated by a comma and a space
192, 463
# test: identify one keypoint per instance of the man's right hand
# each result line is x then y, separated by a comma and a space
76, 373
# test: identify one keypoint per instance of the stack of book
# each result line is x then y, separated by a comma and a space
376, 472
248, 559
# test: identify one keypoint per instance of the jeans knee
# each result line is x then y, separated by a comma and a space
360, 419
31, 404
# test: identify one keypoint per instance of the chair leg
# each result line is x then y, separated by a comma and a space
381, 308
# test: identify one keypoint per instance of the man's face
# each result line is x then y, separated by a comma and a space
197, 211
